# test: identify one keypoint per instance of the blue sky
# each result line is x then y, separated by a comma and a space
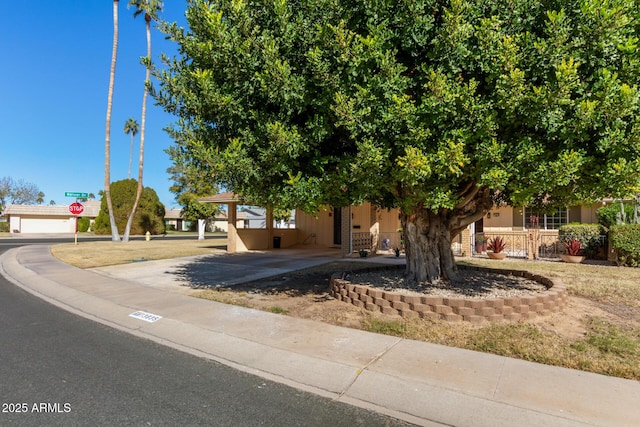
53, 96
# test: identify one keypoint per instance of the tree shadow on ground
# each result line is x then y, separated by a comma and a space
312, 280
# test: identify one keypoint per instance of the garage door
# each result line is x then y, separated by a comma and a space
47, 225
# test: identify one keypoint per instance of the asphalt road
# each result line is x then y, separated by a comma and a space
60, 369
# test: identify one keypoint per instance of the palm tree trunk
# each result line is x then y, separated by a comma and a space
142, 128
115, 236
130, 156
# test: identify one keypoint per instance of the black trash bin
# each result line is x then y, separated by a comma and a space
276, 242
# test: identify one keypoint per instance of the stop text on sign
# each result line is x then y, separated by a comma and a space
76, 208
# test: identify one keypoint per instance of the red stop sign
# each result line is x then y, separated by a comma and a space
76, 208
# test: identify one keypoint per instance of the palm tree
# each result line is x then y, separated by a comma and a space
150, 8
115, 236
131, 129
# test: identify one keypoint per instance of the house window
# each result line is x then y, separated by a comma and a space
551, 221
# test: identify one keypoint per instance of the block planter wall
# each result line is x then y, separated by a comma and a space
456, 309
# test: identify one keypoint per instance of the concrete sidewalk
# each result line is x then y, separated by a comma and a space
418, 382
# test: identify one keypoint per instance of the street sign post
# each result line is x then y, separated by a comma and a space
76, 208
76, 195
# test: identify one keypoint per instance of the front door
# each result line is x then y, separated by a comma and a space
337, 226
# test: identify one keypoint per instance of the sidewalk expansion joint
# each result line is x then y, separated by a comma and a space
364, 368
499, 379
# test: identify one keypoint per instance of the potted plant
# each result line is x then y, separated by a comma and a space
480, 243
495, 248
573, 249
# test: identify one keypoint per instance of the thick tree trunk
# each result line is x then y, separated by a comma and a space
428, 235
428, 247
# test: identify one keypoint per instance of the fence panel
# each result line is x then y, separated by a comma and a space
362, 241
517, 244
548, 244
553, 246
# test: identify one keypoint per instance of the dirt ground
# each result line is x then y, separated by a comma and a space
305, 294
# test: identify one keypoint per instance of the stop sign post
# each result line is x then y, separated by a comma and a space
76, 208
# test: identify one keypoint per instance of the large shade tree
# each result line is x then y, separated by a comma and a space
439, 108
189, 184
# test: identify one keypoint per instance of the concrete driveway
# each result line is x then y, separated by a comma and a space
220, 268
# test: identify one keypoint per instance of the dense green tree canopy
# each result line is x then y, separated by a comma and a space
149, 215
190, 183
436, 107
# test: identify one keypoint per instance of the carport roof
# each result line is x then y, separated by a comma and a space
223, 198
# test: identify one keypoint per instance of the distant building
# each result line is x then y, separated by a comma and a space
41, 219
32, 219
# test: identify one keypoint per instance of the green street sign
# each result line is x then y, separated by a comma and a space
76, 195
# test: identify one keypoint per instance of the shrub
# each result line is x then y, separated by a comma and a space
625, 240
83, 224
4, 227
611, 215
588, 234
149, 215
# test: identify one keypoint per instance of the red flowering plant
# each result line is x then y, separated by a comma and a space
496, 245
573, 246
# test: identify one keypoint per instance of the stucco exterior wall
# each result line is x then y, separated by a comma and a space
388, 219
361, 218
499, 218
258, 239
252, 239
507, 218
588, 214
315, 229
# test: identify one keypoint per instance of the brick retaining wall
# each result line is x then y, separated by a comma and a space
456, 309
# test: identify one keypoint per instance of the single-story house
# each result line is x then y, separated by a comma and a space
173, 220
371, 228
250, 217
31, 219
47, 219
